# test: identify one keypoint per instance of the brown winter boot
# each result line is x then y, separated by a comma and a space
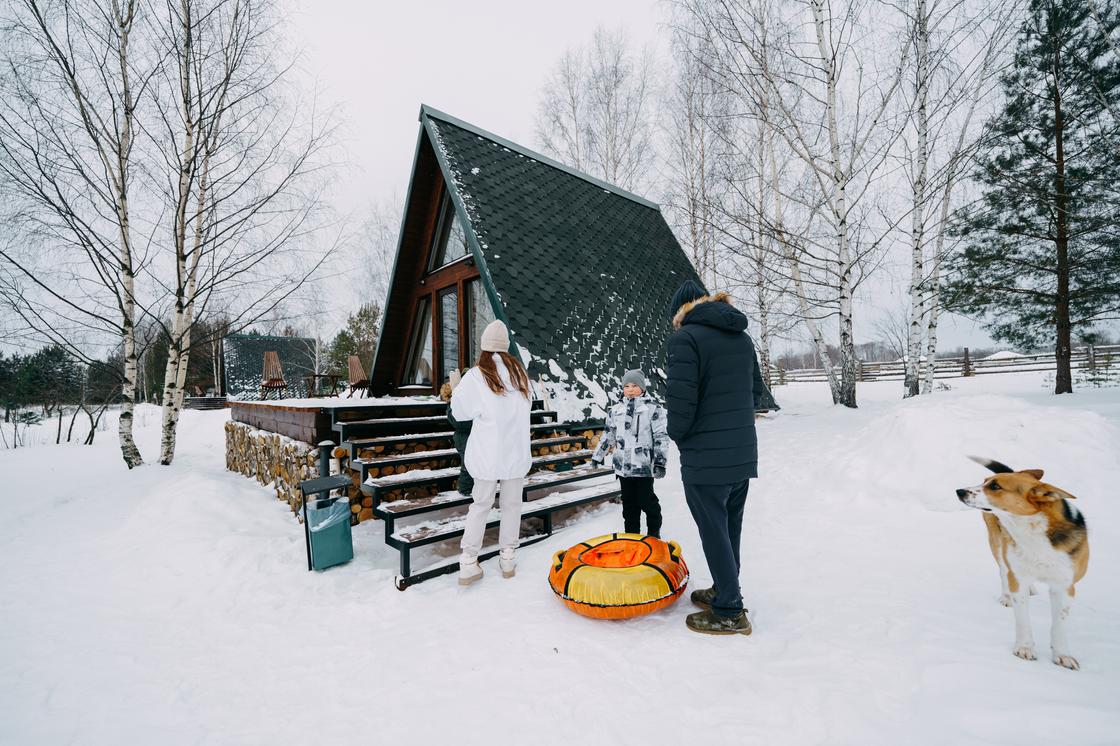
710, 623
704, 597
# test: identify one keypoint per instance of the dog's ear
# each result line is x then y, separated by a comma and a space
993, 466
1047, 493
1036, 473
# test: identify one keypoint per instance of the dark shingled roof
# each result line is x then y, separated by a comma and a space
244, 363
583, 270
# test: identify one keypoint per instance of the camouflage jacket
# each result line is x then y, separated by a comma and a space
636, 431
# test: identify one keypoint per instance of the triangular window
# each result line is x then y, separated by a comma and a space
450, 238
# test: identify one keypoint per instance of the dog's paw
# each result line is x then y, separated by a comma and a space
1026, 652
1005, 600
1067, 661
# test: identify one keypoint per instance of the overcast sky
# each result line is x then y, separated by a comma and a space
483, 61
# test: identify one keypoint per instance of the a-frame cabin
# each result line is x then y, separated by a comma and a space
581, 271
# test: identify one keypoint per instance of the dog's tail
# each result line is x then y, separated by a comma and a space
993, 466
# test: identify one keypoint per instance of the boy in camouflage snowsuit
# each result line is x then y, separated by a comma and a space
636, 430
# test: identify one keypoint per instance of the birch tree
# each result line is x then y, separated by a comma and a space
835, 109
920, 161
68, 127
963, 145
241, 188
695, 111
596, 110
956, 49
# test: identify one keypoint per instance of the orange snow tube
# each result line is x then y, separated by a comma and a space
619, 576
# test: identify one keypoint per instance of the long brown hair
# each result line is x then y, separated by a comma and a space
517, 375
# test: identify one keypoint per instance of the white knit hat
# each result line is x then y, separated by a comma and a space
495, 337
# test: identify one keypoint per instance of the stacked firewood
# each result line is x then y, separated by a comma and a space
282, 463
272, 459
592, 435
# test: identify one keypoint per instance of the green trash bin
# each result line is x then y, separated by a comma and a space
328, 531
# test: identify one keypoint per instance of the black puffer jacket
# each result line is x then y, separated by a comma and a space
713, 383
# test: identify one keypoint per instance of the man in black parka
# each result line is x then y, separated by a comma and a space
713, 385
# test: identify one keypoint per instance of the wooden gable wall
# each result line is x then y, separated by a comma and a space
411, 281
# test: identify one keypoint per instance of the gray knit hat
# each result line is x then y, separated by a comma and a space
636, 377
495, 338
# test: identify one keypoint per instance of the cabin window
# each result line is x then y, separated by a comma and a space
448, 330
479, 314
450, 237
419, 371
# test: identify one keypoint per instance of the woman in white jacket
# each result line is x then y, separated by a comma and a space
494, 395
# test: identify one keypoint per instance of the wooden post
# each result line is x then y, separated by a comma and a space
966, 366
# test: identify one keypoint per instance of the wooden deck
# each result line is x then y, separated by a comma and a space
312, 420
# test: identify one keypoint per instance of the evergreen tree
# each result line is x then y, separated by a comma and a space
1041, 249
10, 394
359, 337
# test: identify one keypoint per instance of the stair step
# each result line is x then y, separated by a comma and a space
364, 465
388, 440
419, 477
386, 426
453, 499
449, 528
390, 426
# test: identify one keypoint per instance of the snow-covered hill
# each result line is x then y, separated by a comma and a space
172, 605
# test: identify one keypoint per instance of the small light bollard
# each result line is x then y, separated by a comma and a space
325, 448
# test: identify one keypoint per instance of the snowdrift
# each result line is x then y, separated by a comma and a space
915, 450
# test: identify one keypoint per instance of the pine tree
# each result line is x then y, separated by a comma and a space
359, 337
1041, 249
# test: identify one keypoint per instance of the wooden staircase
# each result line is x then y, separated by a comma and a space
404, 464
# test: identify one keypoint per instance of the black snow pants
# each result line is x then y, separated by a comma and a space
638, 498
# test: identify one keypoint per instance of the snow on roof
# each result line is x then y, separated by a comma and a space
1004, 355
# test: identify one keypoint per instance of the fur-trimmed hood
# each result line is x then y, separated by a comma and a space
711, 310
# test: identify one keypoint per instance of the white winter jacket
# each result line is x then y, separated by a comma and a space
498, 447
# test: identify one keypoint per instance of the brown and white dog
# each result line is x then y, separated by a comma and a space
1036, 534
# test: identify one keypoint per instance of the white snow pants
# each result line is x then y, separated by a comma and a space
509, 531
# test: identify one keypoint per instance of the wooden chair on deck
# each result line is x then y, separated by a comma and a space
359, 381
273, 379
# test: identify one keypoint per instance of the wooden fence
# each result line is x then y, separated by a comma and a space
955, 367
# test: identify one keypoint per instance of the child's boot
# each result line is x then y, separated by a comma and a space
469, 569
505, 561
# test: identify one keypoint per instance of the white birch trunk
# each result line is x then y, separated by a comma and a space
917, 215
849, 370
932, 304
172, 393
129, 450
811, 325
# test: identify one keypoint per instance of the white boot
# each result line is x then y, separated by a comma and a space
469, 569
505, 561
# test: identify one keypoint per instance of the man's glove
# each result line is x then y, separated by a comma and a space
658, 470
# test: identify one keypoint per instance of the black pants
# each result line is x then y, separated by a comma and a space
718, 512
638, 497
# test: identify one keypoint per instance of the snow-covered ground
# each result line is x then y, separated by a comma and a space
172, 605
